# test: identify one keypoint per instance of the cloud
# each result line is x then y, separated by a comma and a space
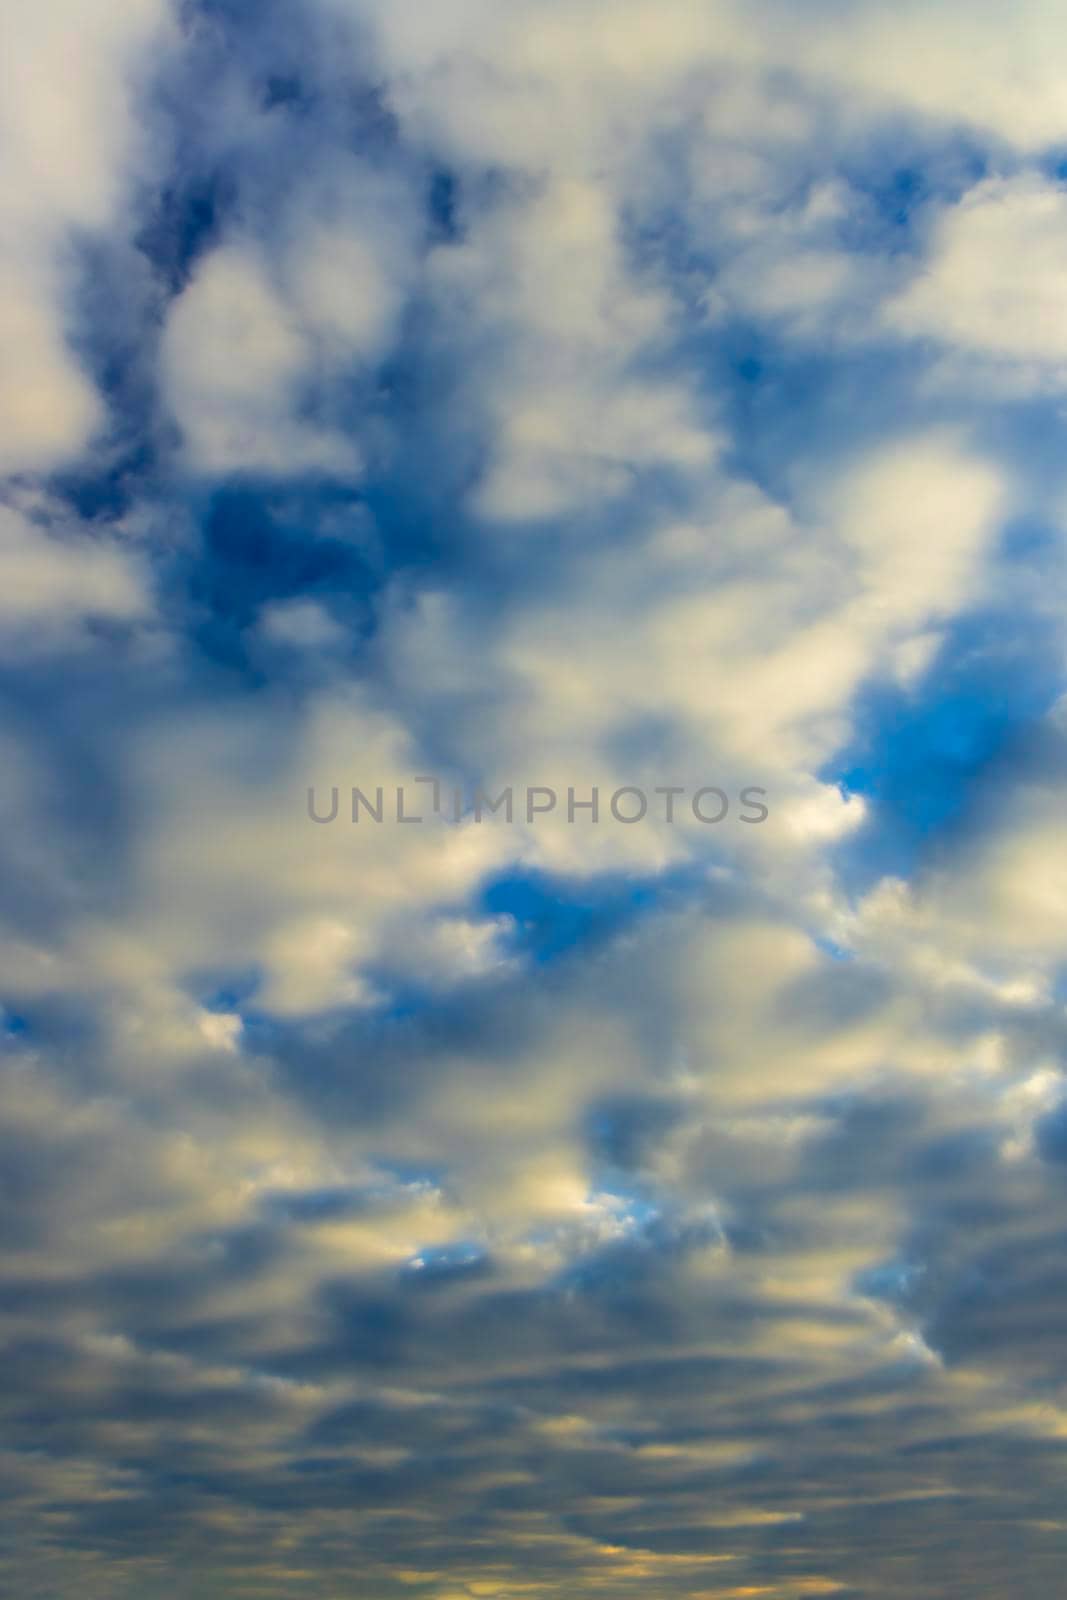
69, 130
992, 286
48, 404
233, 360
563, 331
55, 579
582, 396
255, 343
957, 64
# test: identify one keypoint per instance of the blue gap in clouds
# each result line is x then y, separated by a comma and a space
229, 991
443, 205
118, 319
788, 402
260, 547
116, 331
791, 397
443, 1265
317, 541
554, 915
186, 220
899, 176
919, 757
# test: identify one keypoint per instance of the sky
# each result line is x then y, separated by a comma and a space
421, 423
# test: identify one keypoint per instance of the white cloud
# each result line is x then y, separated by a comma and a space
665, 1155
960, 62
918, 520
558, 329
229, 859
54, 577
349, 289
233, 361
68, 81
302, 625
257, 343
726, 649
994, 282
48, 405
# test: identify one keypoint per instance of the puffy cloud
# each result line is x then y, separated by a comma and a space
993, 283
309, 906
48, 404
498, 1207
724, 649
956, 64
301, 625
233, 360
55, 578
68, 128
563, 327
256, 341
